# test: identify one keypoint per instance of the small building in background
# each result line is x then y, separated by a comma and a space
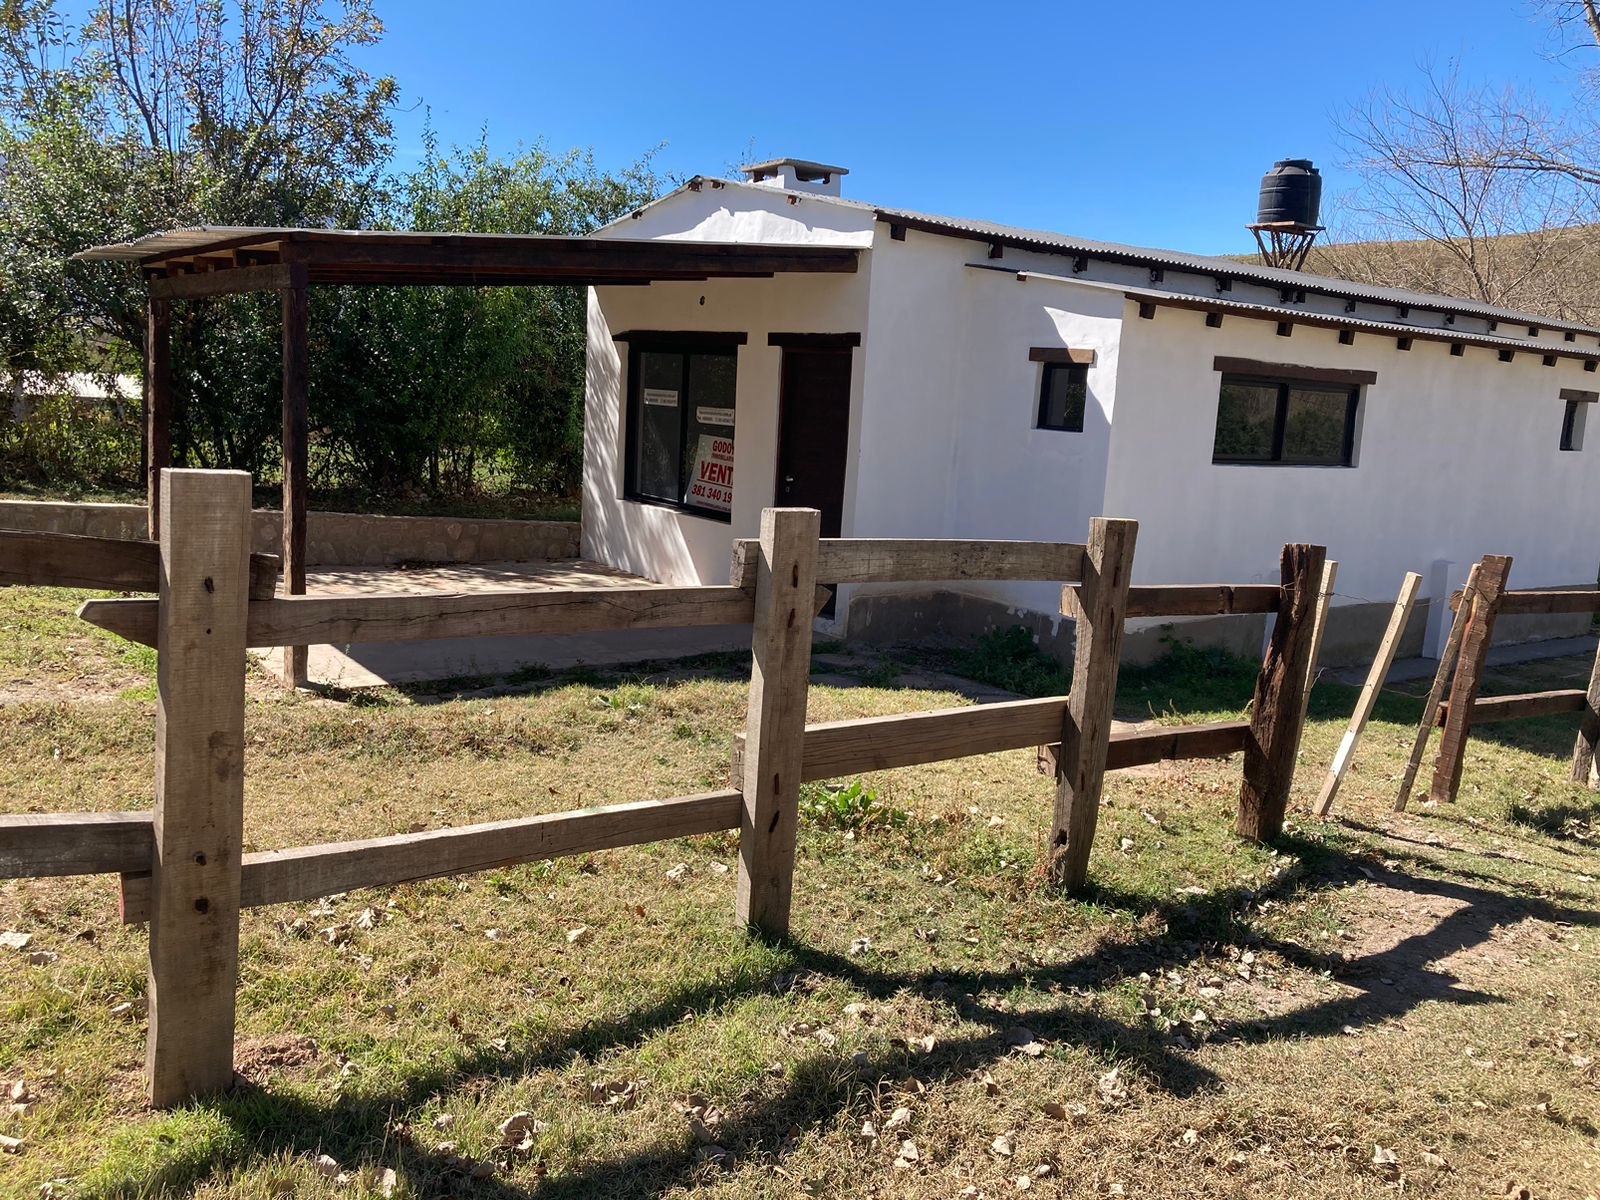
121, 394
977, 380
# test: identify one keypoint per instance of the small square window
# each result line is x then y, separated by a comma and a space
1572, 424
1063, 395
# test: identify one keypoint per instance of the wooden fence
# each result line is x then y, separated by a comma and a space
181, 865
1477, 606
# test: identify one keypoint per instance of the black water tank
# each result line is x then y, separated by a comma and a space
1291, 191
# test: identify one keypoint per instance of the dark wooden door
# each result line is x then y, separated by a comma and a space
814, 432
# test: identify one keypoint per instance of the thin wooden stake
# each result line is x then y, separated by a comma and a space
1368, 699
1441, 678
1086, 732
1583, 752
198, 822
1493, 572
1269, 752
775, 727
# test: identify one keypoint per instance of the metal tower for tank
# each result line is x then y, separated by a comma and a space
1286, 216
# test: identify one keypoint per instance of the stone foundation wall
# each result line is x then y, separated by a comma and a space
332, 539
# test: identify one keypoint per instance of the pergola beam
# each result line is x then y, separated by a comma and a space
221, 281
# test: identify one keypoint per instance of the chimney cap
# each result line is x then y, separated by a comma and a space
803, 169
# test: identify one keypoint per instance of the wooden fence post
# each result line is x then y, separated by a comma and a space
1583, 752
1276, 720
1102, 602
1368, 699
1493, 570
1430, 707
780, 672
199, 786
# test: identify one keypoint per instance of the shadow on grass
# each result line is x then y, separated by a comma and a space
361, 1131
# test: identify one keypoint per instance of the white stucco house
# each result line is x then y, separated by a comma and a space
976, 380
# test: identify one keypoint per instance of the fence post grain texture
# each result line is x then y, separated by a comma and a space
199, 786
1086, 733
1493, 571
1277, 712
775, 727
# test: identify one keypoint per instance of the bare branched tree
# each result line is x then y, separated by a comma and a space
1477, 191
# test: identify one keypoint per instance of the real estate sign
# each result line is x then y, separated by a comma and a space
712, 483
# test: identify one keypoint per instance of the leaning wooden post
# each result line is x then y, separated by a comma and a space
1493, 571
1583, 753
294, 301
1368, 699
1275, 724
1441, 677
1101, 607
1319, 629
775, 727
199, 786
157, 408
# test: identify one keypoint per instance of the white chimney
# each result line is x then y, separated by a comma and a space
796, 175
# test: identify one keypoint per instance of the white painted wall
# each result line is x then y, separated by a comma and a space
948, 439
1456, 458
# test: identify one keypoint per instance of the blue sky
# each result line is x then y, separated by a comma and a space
1140, 122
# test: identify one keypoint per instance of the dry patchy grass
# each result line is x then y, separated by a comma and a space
1213, 1020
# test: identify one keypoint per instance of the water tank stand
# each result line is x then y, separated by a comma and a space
1285, 243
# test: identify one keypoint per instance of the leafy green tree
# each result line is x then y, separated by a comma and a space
423, 387
156, 114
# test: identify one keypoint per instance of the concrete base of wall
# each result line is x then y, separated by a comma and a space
1350, 640
332, 539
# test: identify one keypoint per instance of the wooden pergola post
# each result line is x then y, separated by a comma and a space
157, 408
295, 420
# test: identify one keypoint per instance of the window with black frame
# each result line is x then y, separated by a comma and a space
1063, 395
681, 402
1292, 422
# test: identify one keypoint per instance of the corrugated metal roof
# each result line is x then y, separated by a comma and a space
1200, 264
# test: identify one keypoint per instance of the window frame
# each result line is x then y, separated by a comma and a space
687, 344
1575, 419
1286, 384
1074, 370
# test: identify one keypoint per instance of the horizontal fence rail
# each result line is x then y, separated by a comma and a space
1191, 599
422, 616
34, 845
310, 872
1552, 602
73, 560
833, 749
1488, 709
916, 560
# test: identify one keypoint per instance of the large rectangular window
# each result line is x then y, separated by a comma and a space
1299, 422
681, 402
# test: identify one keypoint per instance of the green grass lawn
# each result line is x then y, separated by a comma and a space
1213, 1019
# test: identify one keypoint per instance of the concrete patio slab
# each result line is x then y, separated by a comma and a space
377, 664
